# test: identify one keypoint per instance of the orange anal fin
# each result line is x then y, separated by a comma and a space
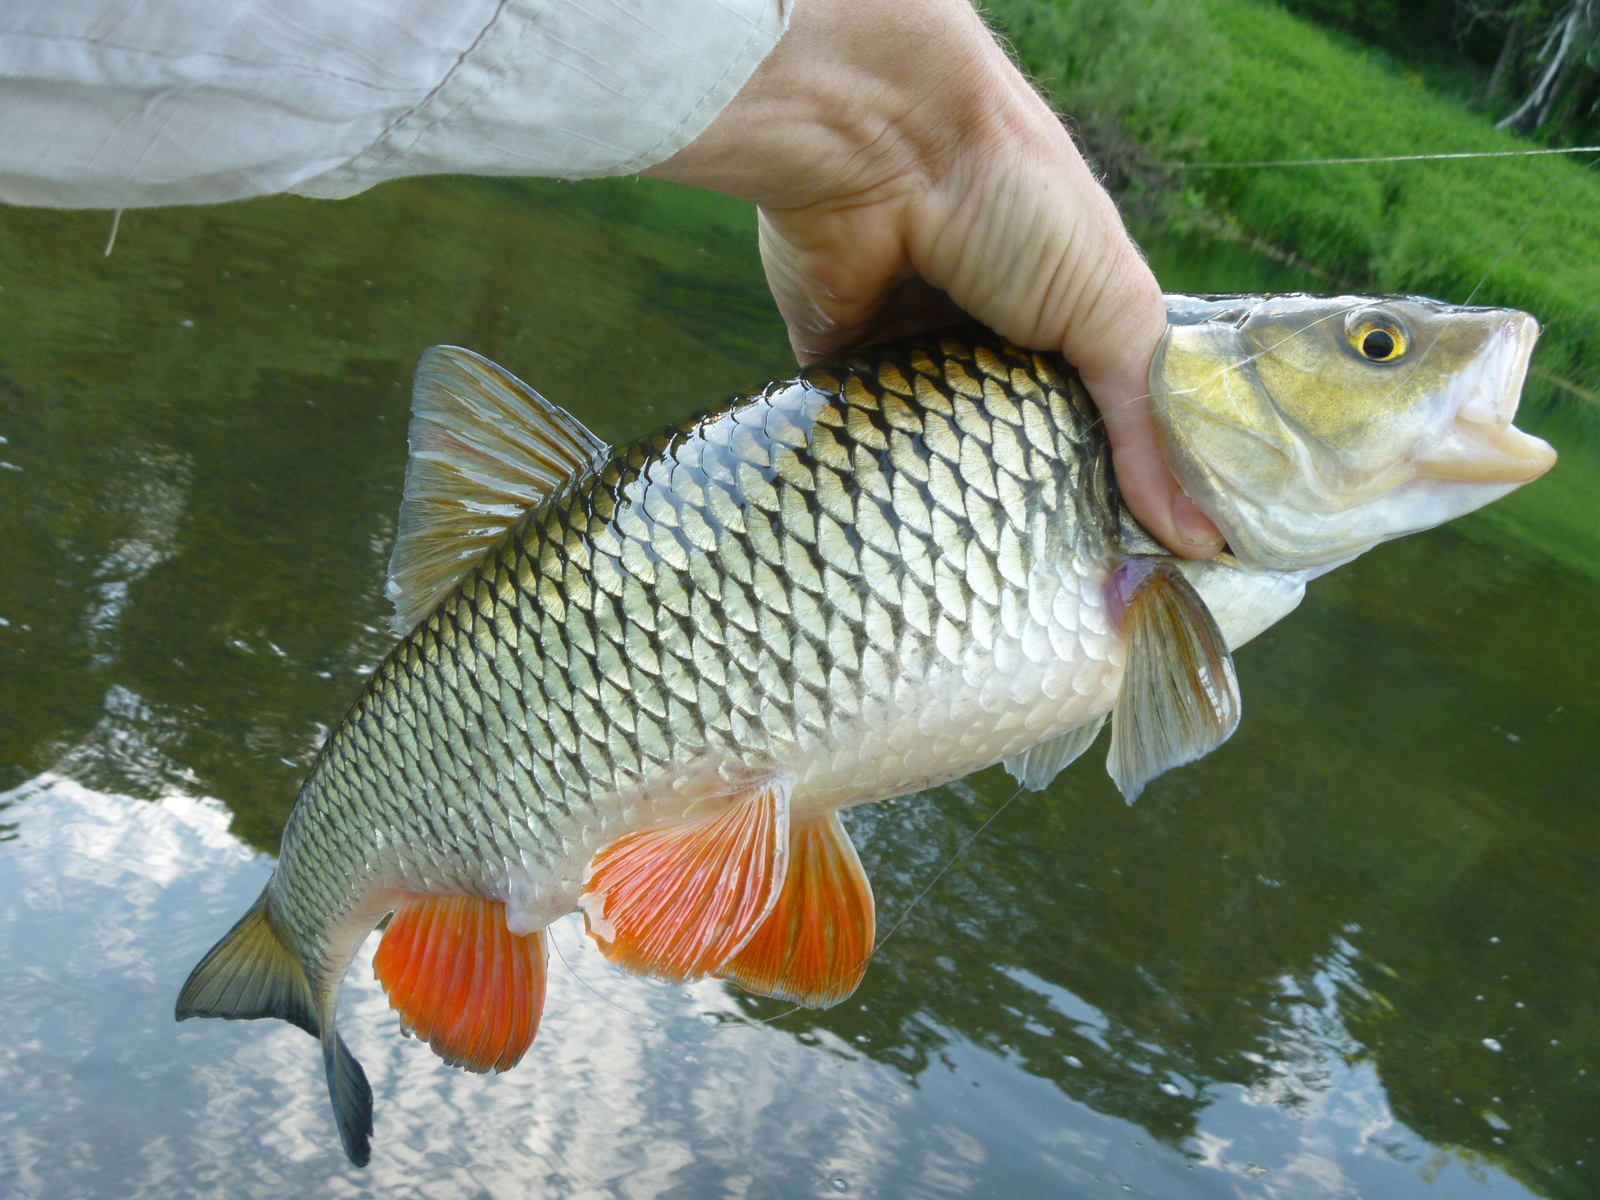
461, 981
813, 948
676, 904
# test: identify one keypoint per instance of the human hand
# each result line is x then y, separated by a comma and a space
906, 173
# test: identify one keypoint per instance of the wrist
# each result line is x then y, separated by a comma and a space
860, 99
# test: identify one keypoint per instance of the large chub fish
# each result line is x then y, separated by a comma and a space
644, 682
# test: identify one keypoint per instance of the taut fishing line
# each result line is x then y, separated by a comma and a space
960, 850
1376, 158
1510, 245
1528, 224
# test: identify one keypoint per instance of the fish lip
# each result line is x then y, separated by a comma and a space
1481, 445
1484, 454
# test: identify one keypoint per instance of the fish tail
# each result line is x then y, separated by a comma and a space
351, 1095
252, 972
255, 971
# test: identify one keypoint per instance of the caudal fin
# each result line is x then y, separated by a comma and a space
351, 1096
255, 972
250, 973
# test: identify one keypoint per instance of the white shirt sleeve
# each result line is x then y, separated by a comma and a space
129, 103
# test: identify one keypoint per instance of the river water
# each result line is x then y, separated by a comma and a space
1352, 953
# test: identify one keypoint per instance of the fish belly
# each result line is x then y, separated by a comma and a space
1049, 661
1044, 660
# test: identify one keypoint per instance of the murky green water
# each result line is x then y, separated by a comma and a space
1351, 953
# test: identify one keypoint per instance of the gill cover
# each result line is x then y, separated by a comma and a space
1312, 428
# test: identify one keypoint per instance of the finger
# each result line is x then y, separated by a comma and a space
839, 295
1106, 312
1147, 484
1113, 338
1028, 242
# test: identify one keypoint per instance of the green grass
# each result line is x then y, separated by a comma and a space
1519, 232
1244, 80
1522, 232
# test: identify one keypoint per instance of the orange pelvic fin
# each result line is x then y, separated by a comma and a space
814, 947
676, 904
461, 981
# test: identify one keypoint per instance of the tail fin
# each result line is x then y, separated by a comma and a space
351, 1096
253, 972
250, 973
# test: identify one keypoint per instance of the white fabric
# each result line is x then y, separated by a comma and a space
128, 103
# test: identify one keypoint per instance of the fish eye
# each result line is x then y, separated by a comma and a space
1377, 336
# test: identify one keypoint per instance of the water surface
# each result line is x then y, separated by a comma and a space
1352, 953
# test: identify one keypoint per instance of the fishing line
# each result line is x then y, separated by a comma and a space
960, 850
1376, 158
1565, 385
655, 1022
1100, 413
1510, 245
554, 945
1526, 225
116, 224
1400, 381
749, 1023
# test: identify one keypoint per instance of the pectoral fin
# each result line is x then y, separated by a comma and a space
461, 981
814, 946
1036, 768
1179, 698
678, 903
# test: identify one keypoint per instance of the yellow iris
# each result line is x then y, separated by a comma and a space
1377, 336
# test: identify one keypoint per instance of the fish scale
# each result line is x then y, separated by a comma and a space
840, 577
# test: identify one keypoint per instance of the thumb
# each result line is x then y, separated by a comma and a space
1111, 336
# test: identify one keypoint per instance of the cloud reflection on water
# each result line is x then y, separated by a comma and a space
633, 1089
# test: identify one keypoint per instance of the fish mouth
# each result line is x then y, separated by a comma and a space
1482, 445
1484, 454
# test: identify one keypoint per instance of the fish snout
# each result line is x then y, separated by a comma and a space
1481, 444
1477, 452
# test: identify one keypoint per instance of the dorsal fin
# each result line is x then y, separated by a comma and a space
485, 448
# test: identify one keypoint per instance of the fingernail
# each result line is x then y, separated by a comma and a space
1193, 526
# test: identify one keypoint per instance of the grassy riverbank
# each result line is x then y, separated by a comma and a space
1243, 80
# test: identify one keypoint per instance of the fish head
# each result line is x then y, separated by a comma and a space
1311, 428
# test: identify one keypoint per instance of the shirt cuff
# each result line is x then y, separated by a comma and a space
573, 90
130, 103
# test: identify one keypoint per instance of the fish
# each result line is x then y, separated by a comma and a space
642, 683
